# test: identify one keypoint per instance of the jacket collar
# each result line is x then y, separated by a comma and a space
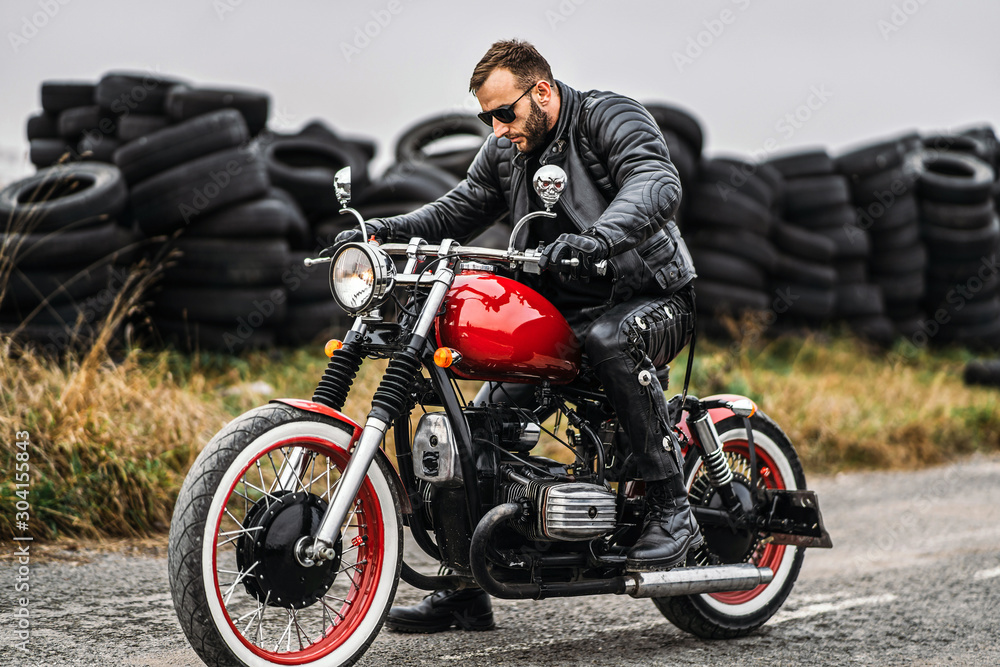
569, 107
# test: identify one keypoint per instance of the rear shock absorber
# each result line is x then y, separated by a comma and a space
716, 466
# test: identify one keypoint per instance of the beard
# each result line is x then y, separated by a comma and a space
536, 126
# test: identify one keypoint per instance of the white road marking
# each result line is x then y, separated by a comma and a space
828, 607
987, 574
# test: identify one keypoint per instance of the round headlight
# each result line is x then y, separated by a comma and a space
360, 277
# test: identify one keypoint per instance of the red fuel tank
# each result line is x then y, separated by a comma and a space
506, 332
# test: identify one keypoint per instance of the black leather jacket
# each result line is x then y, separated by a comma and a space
621, 185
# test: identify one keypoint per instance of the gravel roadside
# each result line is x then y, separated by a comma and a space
914, 579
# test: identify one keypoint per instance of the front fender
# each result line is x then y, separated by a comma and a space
336, 415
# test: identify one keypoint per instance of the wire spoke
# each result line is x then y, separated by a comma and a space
260, 474
341, 616
277, 477
267, 496
287, 633
239, 579
357, 567
237, 521
237, 534
312, 472
299, 631
243, 578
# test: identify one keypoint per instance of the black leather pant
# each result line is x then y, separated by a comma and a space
641, 334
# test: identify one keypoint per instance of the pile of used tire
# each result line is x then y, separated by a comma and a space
227, 207
885, 207
201, 188
959, 225
825, 251
728, 228
63, 254
984, 372
896, 238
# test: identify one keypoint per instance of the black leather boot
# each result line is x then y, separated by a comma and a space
669, 530
468, 609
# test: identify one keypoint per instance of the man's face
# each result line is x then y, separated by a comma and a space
527, 131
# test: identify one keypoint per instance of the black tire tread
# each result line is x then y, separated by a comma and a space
188, 525
683, 610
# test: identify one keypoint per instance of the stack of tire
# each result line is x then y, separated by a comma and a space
83, 120
64, 259
448, 141
685, 139
990, 144
432, 156
729, 221
823, 253
886, 207
959, 225
984, 372
302, 166
202, 190
68, 110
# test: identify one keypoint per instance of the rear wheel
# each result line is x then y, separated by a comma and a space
737, 613
259, 488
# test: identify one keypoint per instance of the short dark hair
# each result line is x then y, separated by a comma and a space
521, 58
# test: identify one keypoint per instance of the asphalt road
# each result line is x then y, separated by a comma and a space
914, 579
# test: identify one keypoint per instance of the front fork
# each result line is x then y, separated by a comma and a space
386, 407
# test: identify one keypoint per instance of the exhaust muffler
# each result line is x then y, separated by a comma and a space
695, 580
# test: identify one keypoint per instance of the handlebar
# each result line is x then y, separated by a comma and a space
528, 259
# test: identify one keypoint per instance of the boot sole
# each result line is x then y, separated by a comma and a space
657, 565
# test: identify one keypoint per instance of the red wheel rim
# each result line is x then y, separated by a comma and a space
365, 569
770, 555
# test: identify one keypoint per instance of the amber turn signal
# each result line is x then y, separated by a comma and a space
332, 346
445, 357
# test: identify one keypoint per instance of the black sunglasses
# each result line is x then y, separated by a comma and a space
504, 114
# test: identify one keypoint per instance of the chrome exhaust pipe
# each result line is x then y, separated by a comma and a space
694, 580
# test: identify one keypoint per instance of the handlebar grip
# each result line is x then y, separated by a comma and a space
600, 268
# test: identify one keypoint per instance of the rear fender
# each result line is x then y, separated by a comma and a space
715, 414
330, 413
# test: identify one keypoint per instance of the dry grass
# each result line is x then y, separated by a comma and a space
848, 406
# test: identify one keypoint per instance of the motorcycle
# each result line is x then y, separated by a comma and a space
286, 544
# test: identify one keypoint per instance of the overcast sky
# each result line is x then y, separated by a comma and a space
867, 68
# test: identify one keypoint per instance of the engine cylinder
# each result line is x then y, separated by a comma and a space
563, 511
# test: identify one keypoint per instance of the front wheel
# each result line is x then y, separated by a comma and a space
260, 487
735, 614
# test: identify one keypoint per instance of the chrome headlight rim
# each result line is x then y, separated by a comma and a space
383, 269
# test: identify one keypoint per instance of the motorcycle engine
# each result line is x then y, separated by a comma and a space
562, 511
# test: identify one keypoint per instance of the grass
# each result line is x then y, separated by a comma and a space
111, 441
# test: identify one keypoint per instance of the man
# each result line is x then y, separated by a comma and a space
618, 206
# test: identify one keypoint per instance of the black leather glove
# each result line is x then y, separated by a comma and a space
587, 249
382, 230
